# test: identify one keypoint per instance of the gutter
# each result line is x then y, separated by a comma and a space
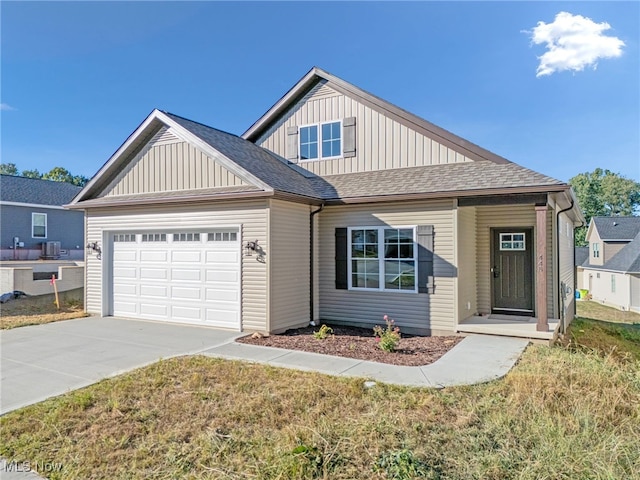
311, 249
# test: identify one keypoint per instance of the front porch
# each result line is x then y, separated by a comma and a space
508, 325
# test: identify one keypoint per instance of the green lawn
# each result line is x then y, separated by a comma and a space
561, 413
597, 311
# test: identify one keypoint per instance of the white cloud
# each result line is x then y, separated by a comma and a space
6, 106
573, 42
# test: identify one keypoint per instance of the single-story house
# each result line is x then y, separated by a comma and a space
33, 222
611, 273
334, 206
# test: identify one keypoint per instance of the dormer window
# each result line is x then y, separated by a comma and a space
321, 141
596, 250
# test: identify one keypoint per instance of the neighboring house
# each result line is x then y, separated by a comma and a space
335, 206
34, 223
611, 272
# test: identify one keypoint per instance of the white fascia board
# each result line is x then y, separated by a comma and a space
210, 151
116, 156
32, 205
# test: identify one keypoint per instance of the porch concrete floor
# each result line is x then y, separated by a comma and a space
508, 325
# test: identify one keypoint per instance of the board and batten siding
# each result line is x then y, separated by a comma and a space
251, 216
566, 246
289, 265
488, 217
467, 263
381, 142
420, 312
167, 163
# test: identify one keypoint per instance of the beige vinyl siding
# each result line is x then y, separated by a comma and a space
381, 142
601, 288
410, 310
251, 216
467, 262
167, 164
507, 216
595, 238
567, 269
289, 265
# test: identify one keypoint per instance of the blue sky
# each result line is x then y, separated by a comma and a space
79, 77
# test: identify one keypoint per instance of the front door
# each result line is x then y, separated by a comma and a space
512, 271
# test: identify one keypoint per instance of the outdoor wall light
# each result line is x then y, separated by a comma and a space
250, 247
95, 248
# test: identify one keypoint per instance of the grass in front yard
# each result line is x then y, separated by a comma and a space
620, 340
597, 311
37, 310
558, 414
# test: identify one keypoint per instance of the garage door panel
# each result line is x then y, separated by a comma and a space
229, 276
159, 291
177, 280
186, 274
123, 272
153, 274
153, 256
125, 256
219, 294
154, 309
186, 256
186, 293
230, 257
186, 313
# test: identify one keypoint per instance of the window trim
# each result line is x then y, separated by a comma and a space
46, 226
596, 250
381, 259
319, 126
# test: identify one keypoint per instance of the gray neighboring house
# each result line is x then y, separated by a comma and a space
335, 206
611, 270
34, 223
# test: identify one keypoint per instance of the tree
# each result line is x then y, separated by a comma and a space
8, 169
31, 173
603, 193
60, 174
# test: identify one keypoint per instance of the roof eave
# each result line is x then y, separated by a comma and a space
446, 194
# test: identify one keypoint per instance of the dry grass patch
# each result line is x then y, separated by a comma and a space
597, 311
558, 414
619, 340
37, 310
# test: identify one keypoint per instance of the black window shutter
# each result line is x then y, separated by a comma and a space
425, 259
349, 133
341, 259
292, 143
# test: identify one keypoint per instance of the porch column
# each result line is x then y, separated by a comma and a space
541, 268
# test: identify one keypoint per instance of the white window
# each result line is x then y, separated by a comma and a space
223, 236
154, 237
186, 237
512, 241
382, 258
124, 237
39, 225
596, 250
613, 284
321, 141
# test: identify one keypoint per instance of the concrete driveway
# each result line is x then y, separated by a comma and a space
43, 361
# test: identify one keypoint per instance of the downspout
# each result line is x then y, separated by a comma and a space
311, 270
560, 292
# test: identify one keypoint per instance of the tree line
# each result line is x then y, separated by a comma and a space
56, 174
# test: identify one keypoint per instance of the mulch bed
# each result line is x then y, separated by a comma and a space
359, 343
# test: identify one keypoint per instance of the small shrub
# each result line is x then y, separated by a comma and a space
389, 337
323, 333
403, 465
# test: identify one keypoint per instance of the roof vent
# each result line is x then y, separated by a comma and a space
615, 223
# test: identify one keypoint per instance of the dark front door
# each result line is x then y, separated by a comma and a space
512, 271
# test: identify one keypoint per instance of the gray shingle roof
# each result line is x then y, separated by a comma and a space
582, 256
36, 191
617, 228
447, 178
627, 259
267, 166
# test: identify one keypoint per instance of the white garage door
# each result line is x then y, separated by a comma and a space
190, 277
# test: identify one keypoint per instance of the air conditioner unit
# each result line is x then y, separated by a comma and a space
50, 250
